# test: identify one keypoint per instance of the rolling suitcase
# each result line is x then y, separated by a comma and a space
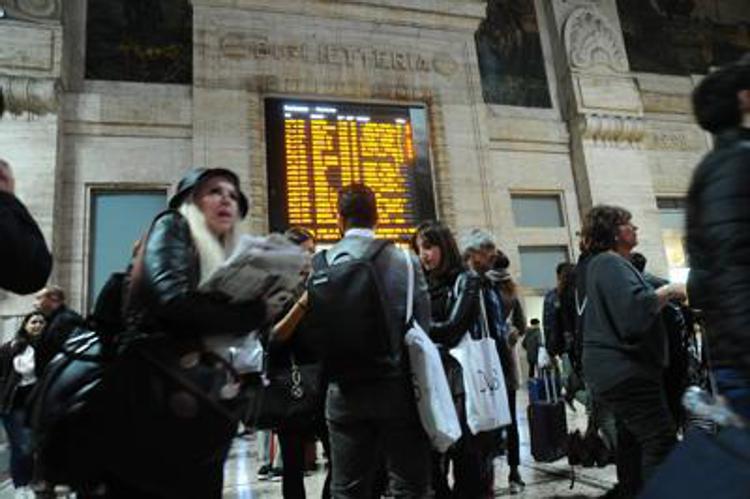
547, 424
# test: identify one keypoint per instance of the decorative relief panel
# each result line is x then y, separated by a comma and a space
592, 42
33, 10
612, 130
32, 95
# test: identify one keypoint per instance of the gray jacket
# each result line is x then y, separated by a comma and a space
623, 334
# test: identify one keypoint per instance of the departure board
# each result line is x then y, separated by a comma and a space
316, 148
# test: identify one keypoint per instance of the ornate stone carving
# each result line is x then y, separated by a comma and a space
33, 10
591, 41
610, 129
32, 95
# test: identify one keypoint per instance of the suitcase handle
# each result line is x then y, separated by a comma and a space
550, 387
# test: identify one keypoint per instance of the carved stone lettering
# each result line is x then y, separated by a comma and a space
240, 46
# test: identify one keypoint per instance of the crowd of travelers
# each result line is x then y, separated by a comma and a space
139, 401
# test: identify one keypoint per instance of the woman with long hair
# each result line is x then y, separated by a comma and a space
17, 379
624, 345
172, 401
454, 296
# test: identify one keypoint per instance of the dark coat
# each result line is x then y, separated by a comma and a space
25, 261
163, 440
59, 326
718, 244
166, 298
9, 377
454, 303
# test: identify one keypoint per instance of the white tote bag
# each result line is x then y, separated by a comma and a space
431, 391
486, 398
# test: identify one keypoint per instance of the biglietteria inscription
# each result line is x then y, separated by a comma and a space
240, 46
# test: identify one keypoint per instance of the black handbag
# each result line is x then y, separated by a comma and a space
286, 397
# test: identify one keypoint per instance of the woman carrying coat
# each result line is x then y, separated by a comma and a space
454, 298
624, 346
17, 379
171, 414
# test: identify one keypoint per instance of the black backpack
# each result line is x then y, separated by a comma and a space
348, 325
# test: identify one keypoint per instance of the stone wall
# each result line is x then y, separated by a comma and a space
611, 135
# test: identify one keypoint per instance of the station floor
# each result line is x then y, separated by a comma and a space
542, 480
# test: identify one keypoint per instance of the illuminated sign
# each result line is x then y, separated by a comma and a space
316, 148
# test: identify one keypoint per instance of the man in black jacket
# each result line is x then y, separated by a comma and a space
718, 229
60, 322
25, 262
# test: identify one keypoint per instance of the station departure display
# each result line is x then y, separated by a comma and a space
315, 148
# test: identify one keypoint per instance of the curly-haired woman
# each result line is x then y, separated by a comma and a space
624, 345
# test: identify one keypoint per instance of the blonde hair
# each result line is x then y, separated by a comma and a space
211, 250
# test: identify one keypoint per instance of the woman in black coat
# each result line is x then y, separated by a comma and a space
454, 297
17, 379
168, 440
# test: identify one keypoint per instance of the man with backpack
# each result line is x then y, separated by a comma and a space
357, 301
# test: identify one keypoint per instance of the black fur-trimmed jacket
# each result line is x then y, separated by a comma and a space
165, 297
718, 244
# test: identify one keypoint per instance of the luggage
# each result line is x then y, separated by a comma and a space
547, 425
538, 388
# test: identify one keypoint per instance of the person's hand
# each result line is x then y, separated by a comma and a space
7, 182
672, 291
543, 359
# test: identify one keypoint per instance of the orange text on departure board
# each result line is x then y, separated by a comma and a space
325, 150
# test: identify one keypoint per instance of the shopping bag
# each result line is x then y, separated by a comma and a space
431, 391
484, 383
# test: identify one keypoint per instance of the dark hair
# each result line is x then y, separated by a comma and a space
357, 206
534, 322
639, 261
502, 262
299, 235
715, 102
562, 267
600, 227
22, 334
438, 234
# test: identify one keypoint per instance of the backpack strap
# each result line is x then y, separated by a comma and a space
320, 260
374, 249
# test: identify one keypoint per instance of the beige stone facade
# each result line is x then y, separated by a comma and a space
611, 135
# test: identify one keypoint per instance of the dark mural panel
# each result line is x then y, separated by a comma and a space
510, 55
139, 40
684, 36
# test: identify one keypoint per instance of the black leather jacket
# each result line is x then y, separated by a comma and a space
454, 303
718, 243
165, 298
455, 307
25, 262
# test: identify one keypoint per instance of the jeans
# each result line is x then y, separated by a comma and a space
646, 432
736, 388
356, 446
19, 437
